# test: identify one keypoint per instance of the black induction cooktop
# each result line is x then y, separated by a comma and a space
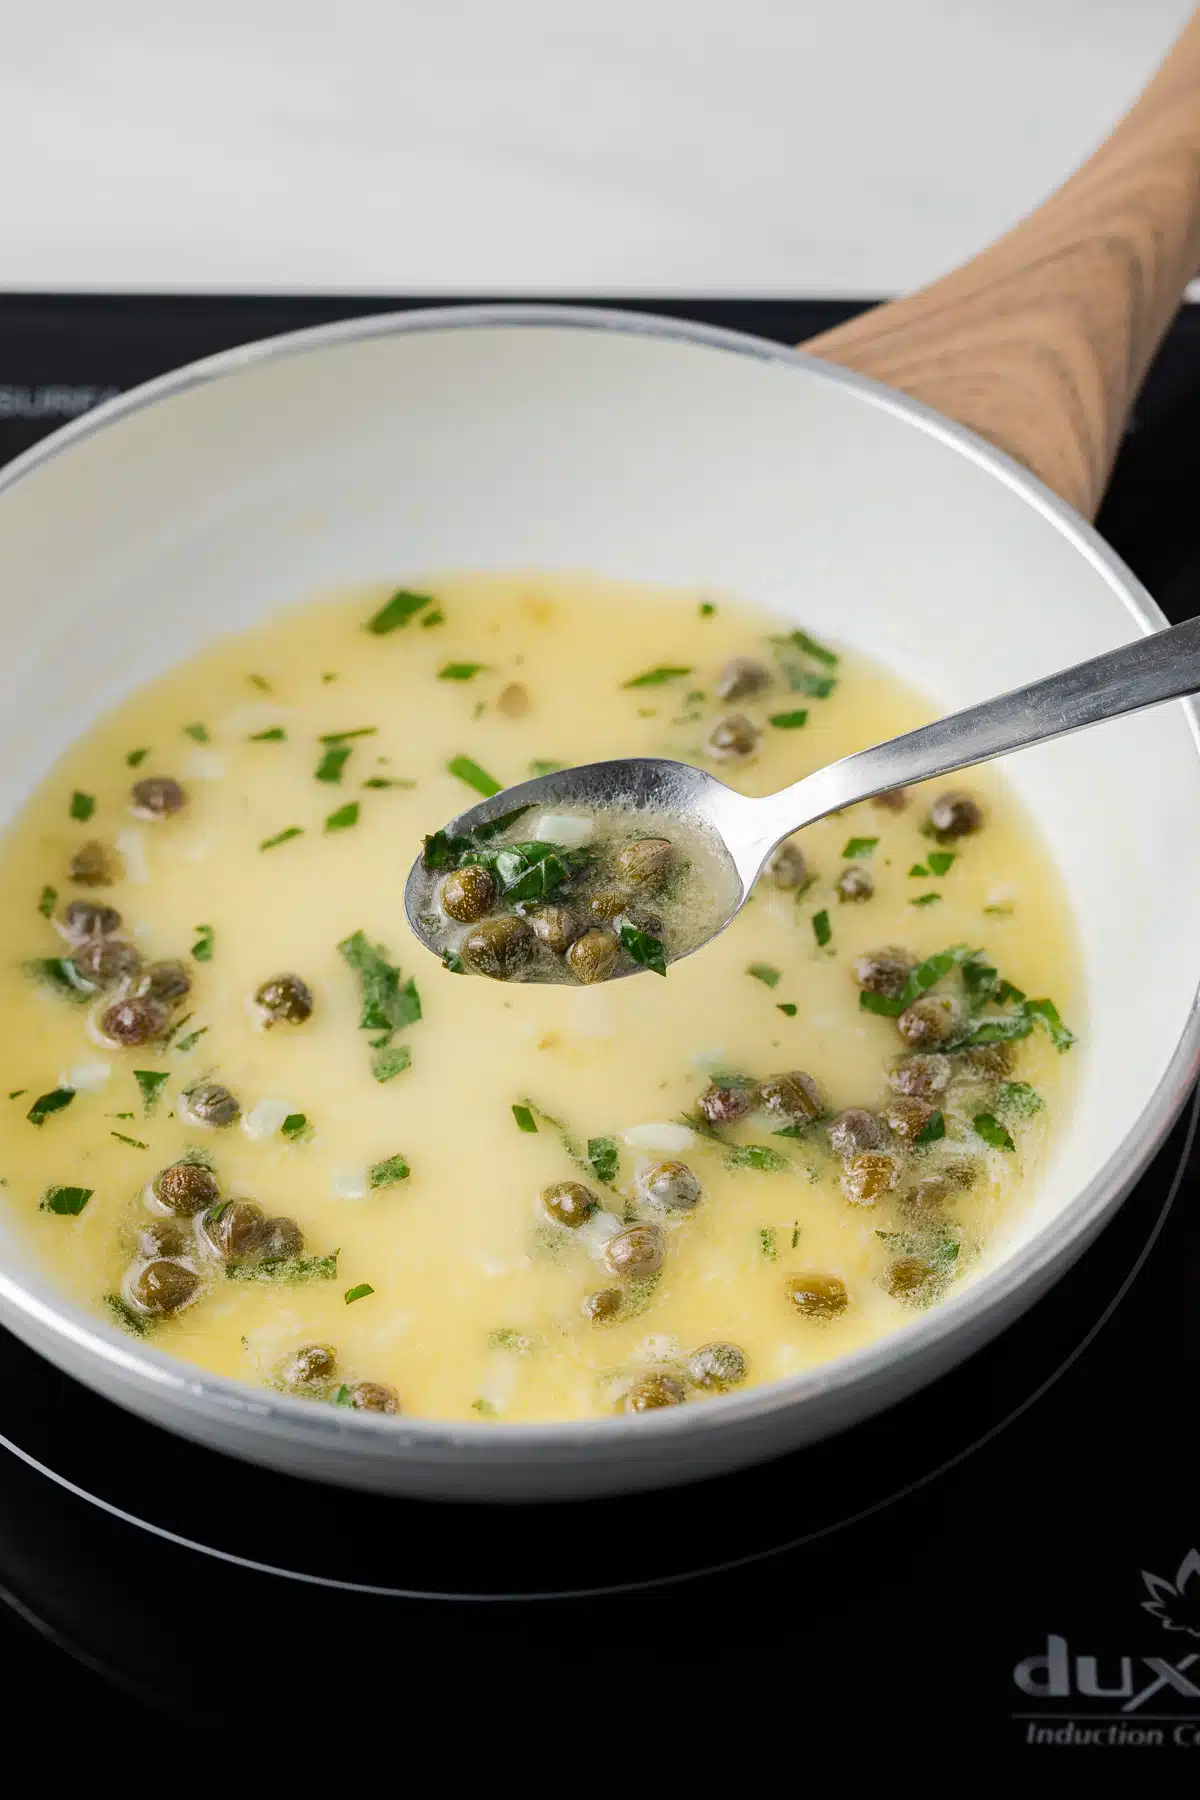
993, 1587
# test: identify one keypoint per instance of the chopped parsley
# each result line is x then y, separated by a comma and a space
82, 805
605, 1158
388, 1172
933, 1129
388, 781
1019, 1098
941, 861
766, 1243
706, 609
459, 671
433, 618
17, 1092
856, 846
452, 962
358, 1293
925, 900
191, 1040
800, 640
474, 776
136, 757
656, 677
822, 929
390, 1061
202, 949
1046, 1013
397, 611
260, 682
919, 869
992, 1132
134, 1143
935, 1247
294, 1126
67, 1201
644, 948
789, 721
524, 1118
343, 737
47, 900
483, 1407
764, 972
343, 818
276, 735
803, 681
285, 1269
197, 732
386, 1004
757, 1156
60, 972
151, 1084
125, 1316
281, 837
333, 762
49, 1103
545, 767
787, 1006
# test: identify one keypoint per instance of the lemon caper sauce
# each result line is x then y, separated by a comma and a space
249, 1119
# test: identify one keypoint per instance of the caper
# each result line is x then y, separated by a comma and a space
794, 1097
907, 1115
911, 1279
234, 1228
853, 1132
593, 957
373, 1396
282, 1238
787, 866
991, 1060
157, 797
168, 981
637, 1251
818, 1296
726, 1105
163, 1237
94, 865
741, 676
854, 883
468, 893
604, 1304
134, 1021
955, 815
669, 1187
649, 1392
569, 1202
85, 919
922, 1075
646, 863
105, 961
884, 971
556, 927
733, 738
927, 1200
894, 800
927, 1022
499, 948
608, 904
513, 701
285, 999
307, 1369
163, 1287
184, 1188
209, 1103
716, 1366
866, 1178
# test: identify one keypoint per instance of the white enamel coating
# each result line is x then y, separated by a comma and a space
501, 438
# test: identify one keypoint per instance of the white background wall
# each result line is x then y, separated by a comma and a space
753, 146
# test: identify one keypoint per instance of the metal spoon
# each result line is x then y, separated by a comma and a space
1164, 666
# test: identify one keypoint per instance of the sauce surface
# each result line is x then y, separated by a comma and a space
313, 755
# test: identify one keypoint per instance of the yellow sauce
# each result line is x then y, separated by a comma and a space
476, 1308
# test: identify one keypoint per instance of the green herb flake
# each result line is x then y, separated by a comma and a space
800, 640
795, 1232
545, 767
294, 1126
17, 1092
260, 682
388, 781
524, 1118
202, 949
920, 871
766, 1243
656, 677
764, 972
333, 762
433, 618
484, 1408
453, 671
341, 1396
358, 1293
69, 1202
992, 1132
390, 1061
136, 758
474, 776
397, 611
933, 1129
788, 721
817, 687
82, 805
285, 1270
197, 732
925, 900
343, 737
281, 837
603, 1155
125, 1316
941, 861
343, 818
787, 1007
191, 1040
706, 609
757, 1156
47, 900
822, 929
49, 1103
388, 1172
387, 1004
276, 735
855, 847
1046, 1014
452, 962
151, 1084
645, 949
134, 1143
1018, 1098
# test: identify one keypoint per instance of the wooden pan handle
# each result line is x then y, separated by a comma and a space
1040, 342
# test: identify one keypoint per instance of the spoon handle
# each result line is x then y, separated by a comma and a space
1163, 666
